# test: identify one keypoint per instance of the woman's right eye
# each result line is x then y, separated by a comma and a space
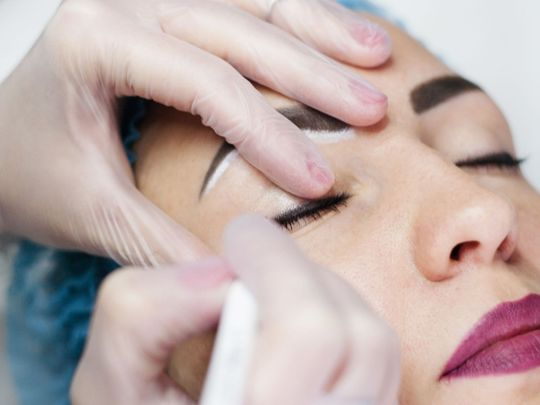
310, 211
499, 160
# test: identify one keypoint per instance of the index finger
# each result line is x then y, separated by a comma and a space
303, 340
329, 27
226, 102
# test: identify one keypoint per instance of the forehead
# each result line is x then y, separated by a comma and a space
410, 65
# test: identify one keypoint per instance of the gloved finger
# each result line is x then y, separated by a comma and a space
91, 203
372, 371
327, 26
123, 225
178, 74
302, 340
140, 316
277, 60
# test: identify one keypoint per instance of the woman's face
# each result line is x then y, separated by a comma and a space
429, 220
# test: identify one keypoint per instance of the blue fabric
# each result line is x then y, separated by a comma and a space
52, 294
134, 112
50, 301
363, 5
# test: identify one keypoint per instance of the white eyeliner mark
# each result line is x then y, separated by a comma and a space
220, 170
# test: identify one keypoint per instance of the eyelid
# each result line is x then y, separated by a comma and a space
310, 211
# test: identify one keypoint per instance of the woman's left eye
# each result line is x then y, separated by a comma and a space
310, 211
500, 160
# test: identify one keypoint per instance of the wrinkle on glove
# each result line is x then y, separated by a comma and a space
52, 294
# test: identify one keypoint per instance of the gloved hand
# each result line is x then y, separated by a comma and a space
64, 179
316, 336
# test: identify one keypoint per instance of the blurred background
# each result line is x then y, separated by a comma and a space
492, 42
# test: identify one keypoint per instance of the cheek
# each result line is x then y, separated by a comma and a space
526, 201
372, 254
369, 254
529, 234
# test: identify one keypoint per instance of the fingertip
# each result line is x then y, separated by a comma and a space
313, 183
373, 42
371, 115
372, 108
367, 93
292, 161
322, 179
313, 177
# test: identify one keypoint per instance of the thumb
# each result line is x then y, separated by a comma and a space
139, 318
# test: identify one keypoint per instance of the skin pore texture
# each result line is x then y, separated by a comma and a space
431, 245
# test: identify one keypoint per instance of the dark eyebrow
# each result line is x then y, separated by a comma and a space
309, 119
305, 118
428, 95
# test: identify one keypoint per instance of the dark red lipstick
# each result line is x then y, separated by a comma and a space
506, 340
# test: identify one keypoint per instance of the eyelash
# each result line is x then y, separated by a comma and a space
311, 211
500, 160
315, 210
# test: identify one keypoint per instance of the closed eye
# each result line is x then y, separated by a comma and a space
499, 160
305, 213
310, 211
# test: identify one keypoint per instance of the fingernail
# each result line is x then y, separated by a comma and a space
205, 273
369, 34
366, 93
321, 172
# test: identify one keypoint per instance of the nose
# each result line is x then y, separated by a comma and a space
461, 226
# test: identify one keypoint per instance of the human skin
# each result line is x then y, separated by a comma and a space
395, 239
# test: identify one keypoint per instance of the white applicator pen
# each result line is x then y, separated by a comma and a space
227, 374
225, 382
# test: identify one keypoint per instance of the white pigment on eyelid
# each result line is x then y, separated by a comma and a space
323, 137
281, 199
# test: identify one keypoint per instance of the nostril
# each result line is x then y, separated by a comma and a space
457, 252
506, 248
454, 254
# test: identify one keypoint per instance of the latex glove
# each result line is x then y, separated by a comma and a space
64, 178
316, 334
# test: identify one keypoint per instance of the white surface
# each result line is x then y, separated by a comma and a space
21, 22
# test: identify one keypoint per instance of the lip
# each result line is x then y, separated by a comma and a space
506, 340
